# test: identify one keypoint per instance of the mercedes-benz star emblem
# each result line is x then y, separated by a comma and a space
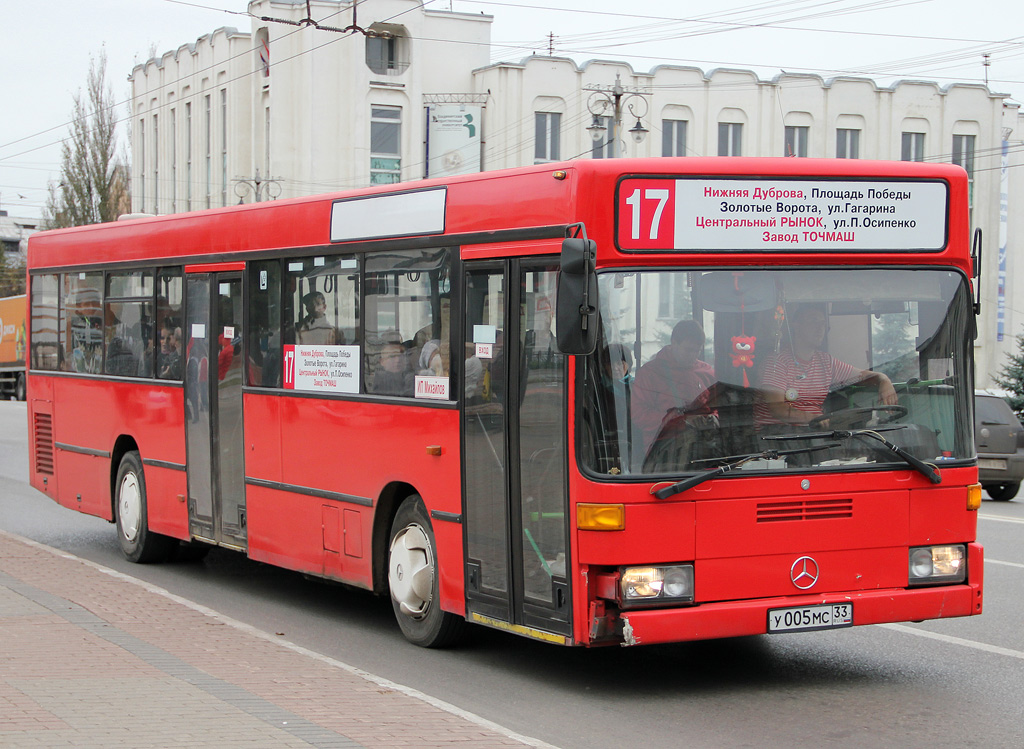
804, 573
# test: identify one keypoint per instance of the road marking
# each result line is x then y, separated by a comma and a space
1002, 519
995, 649
1007, 564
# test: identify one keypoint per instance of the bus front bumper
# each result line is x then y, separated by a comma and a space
742, 618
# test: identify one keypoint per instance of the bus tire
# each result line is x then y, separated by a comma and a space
1003, 492
413, 580
138, 543
19, 387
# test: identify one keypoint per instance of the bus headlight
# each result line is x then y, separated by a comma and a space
938, 564
656, 585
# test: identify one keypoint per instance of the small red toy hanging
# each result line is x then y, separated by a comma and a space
742, 345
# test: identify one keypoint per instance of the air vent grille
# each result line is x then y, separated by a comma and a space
804, 509
43, 428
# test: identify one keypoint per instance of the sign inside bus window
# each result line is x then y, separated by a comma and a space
324, 369
781, 215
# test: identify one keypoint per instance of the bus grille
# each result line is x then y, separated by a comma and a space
44, 443
804, 509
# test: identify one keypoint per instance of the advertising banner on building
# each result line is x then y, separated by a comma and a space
453, 139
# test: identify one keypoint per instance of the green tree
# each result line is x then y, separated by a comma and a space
1011, 378
12, 275
93, 176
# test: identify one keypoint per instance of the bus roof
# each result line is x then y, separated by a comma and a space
548, 195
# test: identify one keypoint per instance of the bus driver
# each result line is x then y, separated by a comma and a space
796, 381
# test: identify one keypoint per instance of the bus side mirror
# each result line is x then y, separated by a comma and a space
976, 270
576, 299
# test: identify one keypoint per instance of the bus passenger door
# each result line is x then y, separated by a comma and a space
214, 368
515, 448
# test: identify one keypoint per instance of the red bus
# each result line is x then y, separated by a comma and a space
746, 410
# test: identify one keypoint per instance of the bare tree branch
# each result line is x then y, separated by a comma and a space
93, 184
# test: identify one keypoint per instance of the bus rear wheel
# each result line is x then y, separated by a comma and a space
138, 543
413, 580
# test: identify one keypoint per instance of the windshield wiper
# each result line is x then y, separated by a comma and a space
928, 470
735, 462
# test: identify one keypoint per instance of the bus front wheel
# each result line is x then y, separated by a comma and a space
138, 543
413, 580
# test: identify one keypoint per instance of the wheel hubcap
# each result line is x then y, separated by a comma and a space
411, 571
129, 506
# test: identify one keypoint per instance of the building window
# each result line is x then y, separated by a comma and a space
387, 53
602, 148
266, 142
188, 156
730, 139
385, 145
142, 164
673, 137
913, 147
263, 51
156, 165
208, 130
223, 146
847, 144
963, 155
546, 136
674, 301
174, 161
796, 140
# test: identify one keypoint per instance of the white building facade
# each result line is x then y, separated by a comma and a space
287, 110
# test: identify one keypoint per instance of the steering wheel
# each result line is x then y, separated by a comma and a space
849, 418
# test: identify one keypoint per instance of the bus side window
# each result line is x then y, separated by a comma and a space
265, 343
319, 304
128, 324
81, 336
45, 349
408, 303
170, 361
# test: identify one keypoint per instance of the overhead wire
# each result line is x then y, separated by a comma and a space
707, 18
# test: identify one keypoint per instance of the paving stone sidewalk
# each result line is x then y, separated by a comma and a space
92, 658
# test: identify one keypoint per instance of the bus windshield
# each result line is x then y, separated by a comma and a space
696, 369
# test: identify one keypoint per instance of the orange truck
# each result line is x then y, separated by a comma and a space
13, 337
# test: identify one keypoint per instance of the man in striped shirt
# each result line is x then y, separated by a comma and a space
795, 382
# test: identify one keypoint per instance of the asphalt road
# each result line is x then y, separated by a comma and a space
955, 682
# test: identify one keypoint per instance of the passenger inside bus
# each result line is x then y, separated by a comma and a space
796, 380
392, 375
671, 383
314, 329
170, 350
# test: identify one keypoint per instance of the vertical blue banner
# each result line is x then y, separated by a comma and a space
1004, 188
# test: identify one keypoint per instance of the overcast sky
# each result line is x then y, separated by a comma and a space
45, 49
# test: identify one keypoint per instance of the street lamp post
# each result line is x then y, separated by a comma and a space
260, 188
615, 98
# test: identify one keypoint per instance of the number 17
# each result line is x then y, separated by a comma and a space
633, 201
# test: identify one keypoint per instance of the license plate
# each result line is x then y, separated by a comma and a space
996, 463
807, 618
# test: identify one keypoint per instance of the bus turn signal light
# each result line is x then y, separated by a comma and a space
974, 497
593, 517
